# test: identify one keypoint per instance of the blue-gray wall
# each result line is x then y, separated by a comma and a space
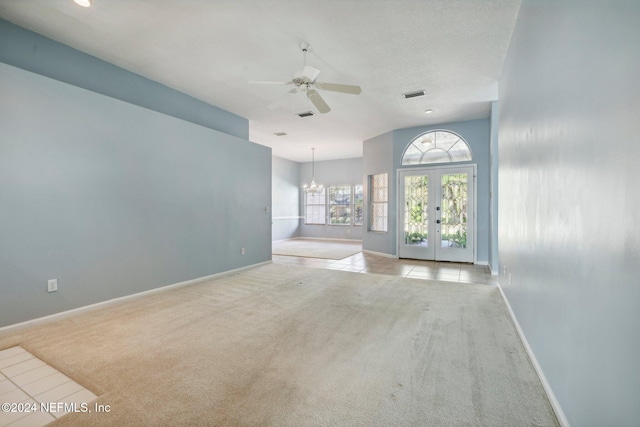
30, 51
285, 199
569, 138
112, 198
384, 154
377, 158
331, 172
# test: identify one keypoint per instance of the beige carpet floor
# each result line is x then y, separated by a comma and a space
293, 346
316, 248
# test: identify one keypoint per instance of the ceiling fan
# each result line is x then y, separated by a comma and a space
305, 81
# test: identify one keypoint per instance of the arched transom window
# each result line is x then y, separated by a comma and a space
436, 146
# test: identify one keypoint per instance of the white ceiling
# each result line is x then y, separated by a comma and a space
453, 49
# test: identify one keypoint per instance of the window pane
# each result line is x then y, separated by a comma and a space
412, 156
460, 152
315, 208
379, 202
445, 140
358, 205
438, 147
340, 205
436, 156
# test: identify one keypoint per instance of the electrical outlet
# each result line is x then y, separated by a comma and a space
242, 251
52, 285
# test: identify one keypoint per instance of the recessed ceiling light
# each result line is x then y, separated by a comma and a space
83, 3
428, 111
413, 94
306, 114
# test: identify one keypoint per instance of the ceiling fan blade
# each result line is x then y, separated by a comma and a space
335, 87
266, 82
310, 72
317, 100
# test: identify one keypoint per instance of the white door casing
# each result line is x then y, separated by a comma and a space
436, 213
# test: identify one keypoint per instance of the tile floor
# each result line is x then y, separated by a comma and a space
33, 393
371, 263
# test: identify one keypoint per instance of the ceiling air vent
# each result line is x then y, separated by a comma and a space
413, 94
280, 133
305, 114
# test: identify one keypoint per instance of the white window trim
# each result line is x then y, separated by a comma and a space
325, 209
351, 205
371, 204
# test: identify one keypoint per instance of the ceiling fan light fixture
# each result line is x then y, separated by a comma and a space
415, 94
83, 3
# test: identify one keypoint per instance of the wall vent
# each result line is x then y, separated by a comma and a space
280, 133
413, 94
306, 114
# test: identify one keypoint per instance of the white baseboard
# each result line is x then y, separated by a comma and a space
283, 240
380, 254
562, 419
328, 238
103, 304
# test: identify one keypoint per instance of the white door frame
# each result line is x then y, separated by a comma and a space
425, 170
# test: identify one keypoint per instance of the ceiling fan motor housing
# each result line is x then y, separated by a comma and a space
305, 81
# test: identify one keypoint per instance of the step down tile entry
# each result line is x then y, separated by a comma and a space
33, 393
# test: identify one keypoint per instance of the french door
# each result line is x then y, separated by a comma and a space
436, 214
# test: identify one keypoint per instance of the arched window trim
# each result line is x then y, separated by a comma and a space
424, 153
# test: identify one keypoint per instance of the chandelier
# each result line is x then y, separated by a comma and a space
313, 188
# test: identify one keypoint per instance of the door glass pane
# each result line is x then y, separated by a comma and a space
416, 213
453, 227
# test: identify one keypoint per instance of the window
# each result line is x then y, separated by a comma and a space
345, 204
379, 196
358, 205
340, 205
437, 146
314, 209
